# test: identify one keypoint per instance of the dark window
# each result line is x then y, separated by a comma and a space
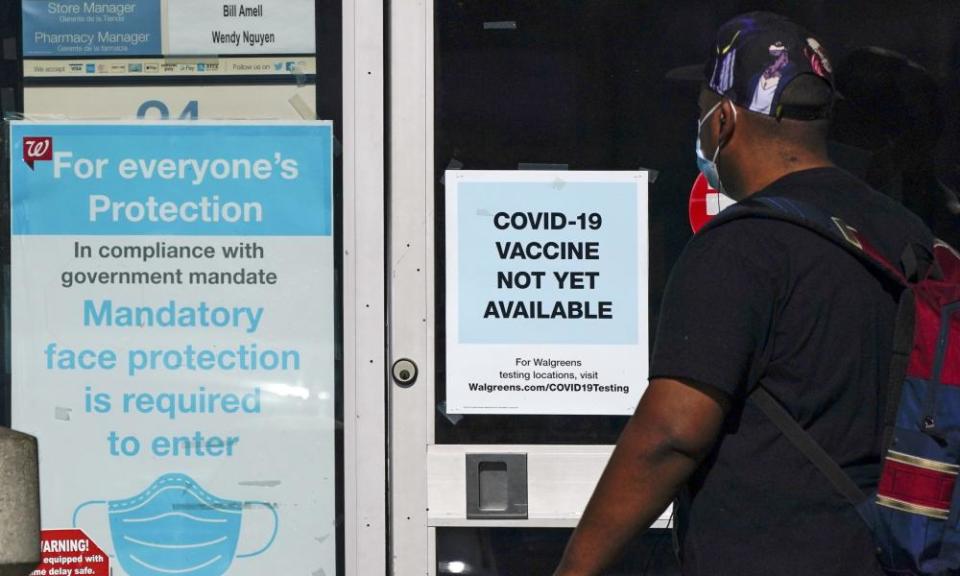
583, 85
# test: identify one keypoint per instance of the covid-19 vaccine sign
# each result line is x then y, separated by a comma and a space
546, 292
173, 340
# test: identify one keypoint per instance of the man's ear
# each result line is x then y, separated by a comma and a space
727, 117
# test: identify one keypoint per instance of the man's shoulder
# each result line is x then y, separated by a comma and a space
879, 218
750, 249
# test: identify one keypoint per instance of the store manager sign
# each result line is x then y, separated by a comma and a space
91, 28
241, 28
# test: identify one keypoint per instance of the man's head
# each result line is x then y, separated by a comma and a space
765, 103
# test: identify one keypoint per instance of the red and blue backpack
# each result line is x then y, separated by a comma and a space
915, 513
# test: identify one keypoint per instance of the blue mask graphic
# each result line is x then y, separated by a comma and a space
176, 527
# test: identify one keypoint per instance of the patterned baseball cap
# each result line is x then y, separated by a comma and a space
757, 55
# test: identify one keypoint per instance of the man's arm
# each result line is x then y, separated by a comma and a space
674, 427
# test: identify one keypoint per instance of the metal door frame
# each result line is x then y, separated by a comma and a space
410, 290
364, 309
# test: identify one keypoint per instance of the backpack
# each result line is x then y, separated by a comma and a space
914, 515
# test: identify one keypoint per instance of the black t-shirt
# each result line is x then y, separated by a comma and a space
816, 327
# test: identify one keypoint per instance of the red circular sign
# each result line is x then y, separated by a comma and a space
698, 203
705, 203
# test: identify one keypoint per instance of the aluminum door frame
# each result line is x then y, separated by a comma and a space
410, 282
364, 308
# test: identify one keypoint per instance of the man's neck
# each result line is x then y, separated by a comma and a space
759, 177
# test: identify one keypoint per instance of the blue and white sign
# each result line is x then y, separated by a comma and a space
93, 28
173, 340
546, 290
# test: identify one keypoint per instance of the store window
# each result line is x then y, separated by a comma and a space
588, 87
172, 257
585, 87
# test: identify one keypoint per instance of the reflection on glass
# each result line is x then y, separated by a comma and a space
513, 551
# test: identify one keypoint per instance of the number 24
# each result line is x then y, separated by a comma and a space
190, 112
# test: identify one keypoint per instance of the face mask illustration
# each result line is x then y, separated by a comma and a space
176, 527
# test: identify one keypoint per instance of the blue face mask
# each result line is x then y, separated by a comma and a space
176, 527
709, 166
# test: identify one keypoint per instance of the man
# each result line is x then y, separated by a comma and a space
760, 302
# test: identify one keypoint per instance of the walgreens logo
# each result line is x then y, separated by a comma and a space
37, 149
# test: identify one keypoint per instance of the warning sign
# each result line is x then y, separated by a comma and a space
70, 553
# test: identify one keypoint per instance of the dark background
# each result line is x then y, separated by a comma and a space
10, 92
583, 84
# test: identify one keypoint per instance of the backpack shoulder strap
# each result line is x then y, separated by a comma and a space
816, 220
849, 239
804, 442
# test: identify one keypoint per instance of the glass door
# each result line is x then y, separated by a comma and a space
483, 481
502, 91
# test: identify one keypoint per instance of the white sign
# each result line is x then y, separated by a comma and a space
283, 102
546, 291
260, 27
173, 340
